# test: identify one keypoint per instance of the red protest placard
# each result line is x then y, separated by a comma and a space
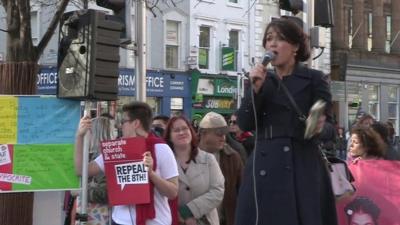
376, 200
127, 177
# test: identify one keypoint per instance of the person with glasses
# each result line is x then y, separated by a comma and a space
159, 159
246, 138
212, 133
201, 183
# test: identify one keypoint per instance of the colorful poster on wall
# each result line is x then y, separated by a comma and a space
37, 143
125, 171
377, 197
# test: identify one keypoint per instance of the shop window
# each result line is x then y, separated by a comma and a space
373, 100
172, 44
204, 47
155, 104
176, 106
393, 106
354, 93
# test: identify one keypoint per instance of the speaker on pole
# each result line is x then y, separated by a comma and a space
88, 56
323, 13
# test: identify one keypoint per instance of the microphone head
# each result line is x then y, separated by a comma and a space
268, 57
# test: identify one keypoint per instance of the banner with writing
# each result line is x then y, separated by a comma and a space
126, 174
377, 197
37, 143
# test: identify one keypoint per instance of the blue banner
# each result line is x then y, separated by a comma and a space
47, 81
158, 83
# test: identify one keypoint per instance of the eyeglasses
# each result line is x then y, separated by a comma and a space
125, 120
233, 122
179, 129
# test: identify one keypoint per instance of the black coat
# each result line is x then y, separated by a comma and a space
292, 181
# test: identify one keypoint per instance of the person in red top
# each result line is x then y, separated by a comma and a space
246, 138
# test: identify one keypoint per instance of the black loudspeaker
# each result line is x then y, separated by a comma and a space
88, 56
323, 13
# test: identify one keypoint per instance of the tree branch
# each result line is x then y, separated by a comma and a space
6, 31
151, 7
53, 25
4, 3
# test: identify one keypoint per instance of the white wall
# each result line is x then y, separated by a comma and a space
222, 17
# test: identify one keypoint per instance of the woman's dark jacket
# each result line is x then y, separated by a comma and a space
292, 182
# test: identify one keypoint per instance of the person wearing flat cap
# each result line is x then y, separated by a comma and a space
212, 133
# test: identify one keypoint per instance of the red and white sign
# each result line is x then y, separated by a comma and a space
377, 197
127, 177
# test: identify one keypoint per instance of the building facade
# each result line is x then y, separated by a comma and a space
365, 60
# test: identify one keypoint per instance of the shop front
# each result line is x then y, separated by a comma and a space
216, 93
168, 92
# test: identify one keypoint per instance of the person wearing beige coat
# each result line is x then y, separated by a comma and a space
201, 182
201, 188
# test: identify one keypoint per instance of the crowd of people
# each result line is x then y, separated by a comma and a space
200, 184
255, 167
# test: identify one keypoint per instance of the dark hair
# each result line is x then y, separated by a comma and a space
161, 117
140, 111
292, 33
382, 130
370, 140
390, 127
167, 136
363, 204
363, 118
107, 115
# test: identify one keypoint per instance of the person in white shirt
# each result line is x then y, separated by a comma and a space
136, 122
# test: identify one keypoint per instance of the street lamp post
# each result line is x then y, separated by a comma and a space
140, 60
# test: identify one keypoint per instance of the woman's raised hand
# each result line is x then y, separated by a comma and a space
257, 77
84, 125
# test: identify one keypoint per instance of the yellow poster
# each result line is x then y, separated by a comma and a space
8, 119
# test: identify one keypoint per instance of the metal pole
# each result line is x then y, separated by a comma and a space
83, 216
239, 90
141, 50
308, 18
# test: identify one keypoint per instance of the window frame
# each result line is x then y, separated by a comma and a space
206, 48
166, 45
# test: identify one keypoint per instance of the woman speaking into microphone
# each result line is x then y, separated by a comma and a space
285, 180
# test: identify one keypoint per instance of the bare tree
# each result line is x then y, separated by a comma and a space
18, 73
18, 76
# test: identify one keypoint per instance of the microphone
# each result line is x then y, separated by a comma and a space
268, 57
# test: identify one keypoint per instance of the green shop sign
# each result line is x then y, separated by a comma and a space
225, 87
228, 58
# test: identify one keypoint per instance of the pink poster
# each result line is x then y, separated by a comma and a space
377, 197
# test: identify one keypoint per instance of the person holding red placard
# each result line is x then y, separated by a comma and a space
159, 159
